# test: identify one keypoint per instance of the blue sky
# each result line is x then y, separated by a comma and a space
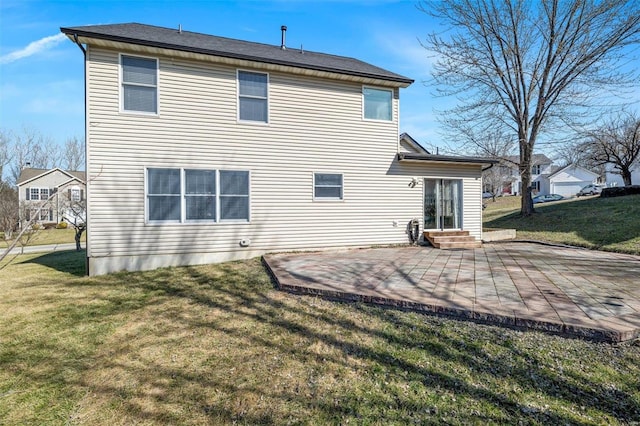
41, 71
41, 80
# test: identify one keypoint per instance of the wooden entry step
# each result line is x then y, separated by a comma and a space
451, 239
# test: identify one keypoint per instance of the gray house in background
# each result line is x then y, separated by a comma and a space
206, 149
59, 187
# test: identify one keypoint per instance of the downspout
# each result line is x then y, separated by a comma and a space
86, 156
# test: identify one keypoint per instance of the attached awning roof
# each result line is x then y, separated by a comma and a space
431, 158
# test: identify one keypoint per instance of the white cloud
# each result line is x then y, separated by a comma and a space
33, 48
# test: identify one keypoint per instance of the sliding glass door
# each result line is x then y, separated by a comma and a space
442, 204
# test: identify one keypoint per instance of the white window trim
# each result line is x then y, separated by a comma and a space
183, 205
253, 122
363, 103
35, 189
327, 199
121, 86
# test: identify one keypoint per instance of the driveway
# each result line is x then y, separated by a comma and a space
562, 290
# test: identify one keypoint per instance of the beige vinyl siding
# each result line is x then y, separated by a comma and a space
315, 125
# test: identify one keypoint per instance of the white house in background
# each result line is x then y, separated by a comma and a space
59, 187
567, 181
204, 149
541, 168
614, 179
545, 177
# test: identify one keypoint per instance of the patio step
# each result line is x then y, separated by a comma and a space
452, 239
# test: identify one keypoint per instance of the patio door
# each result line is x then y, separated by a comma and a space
442, 204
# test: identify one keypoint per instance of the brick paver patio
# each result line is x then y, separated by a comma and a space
563, 290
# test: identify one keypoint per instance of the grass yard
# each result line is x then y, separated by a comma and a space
48, 236
217, 344
611, 224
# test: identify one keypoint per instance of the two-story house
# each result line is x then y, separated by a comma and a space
541, 167
546, 178
48, 195
204, 149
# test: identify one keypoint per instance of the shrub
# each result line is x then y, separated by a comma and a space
36, 226
619, 191
62, 225
49, 225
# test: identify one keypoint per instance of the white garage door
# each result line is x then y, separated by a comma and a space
568, 189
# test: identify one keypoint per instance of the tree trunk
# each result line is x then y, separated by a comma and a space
78, 237
626, 176
526, 205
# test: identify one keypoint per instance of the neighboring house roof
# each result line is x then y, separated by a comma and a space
175, 39
565, 168
29, 174
536, 159
405, 156
413, 143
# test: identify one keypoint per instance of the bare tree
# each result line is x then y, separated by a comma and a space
526, 65
497, 145
4, 151
616, 143
8, 209
30, 146
73, 154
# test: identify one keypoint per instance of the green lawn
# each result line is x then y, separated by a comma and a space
217, 344
611, 224
48, 236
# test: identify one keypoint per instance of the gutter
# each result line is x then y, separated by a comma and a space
84, 51
403, 156
86, 156
490, 166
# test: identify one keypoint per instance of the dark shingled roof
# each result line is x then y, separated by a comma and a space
171, 38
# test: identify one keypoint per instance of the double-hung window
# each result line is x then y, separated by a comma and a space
34, 194
234, 195
193, 195
253, 102
139, 84
378, 103
327, 186
164, 195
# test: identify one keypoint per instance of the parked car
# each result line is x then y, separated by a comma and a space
547, 198
590, 190
487, 195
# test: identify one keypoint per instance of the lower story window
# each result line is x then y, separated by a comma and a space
193, 195
42, 215
327, 186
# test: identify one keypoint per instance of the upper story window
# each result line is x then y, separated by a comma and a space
139, 84
378, 103
37, 194
535, 170
327, 186
253, 102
